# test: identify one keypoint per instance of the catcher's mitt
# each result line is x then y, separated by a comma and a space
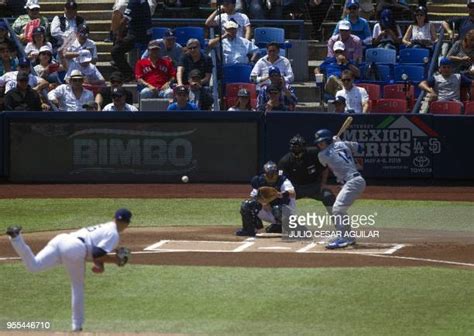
122, 255
266, 195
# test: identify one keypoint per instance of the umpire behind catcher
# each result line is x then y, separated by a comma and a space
302, 167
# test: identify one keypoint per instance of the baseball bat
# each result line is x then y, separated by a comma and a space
346, 125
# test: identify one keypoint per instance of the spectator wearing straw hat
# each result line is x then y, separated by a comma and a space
71, 97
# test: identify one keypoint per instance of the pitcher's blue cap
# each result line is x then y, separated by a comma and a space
123, 215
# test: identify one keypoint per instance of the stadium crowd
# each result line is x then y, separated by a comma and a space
56, 68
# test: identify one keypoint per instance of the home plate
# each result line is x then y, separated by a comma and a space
268, 235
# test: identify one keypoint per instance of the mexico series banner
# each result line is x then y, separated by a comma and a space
400, 146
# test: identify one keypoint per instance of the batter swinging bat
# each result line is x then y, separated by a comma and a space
346, 125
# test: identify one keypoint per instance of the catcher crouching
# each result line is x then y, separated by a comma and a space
271, 191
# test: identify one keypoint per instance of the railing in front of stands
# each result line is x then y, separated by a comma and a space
432, 68
256, 22
215, 90
19, 45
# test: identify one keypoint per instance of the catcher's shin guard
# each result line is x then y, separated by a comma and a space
249, 210
277, 212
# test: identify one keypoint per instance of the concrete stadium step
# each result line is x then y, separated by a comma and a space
98, 36
310, 107
55, 6
460, 2
447, 8
99, 25
103, 47
440, 16
306, 92
88, 15
79, 2
104, 56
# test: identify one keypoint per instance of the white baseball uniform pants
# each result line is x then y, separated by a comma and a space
62, 249
350, 191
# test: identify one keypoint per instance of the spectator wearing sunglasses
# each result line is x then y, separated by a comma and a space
194, 58
422, 33
357, 99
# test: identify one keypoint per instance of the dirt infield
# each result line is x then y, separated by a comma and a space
420, 247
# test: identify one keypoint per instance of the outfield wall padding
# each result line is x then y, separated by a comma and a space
139, 147
220, 146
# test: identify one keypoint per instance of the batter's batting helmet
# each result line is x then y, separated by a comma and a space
323, 135
297, 144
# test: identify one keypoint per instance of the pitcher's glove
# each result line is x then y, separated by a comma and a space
122, 255
266, 195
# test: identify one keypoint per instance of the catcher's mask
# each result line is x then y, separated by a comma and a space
323, 135
271, 171
297, 146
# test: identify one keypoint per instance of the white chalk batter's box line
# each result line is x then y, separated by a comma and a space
159, 247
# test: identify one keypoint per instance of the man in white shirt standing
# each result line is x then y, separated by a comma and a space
228, 13
72, 250
118, 102
71, 97
357, 99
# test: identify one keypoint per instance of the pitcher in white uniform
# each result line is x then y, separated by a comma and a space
72, 250
337, 155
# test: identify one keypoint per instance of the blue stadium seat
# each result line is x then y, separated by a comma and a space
381, 56
158, 32
414, 56
183, 34
266, 35
415, 73
384, 72
237, 73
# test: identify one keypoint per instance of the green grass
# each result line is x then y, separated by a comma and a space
52, 214
219, 301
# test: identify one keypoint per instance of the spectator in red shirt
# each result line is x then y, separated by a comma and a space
155, 73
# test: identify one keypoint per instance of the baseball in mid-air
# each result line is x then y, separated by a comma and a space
185, 179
